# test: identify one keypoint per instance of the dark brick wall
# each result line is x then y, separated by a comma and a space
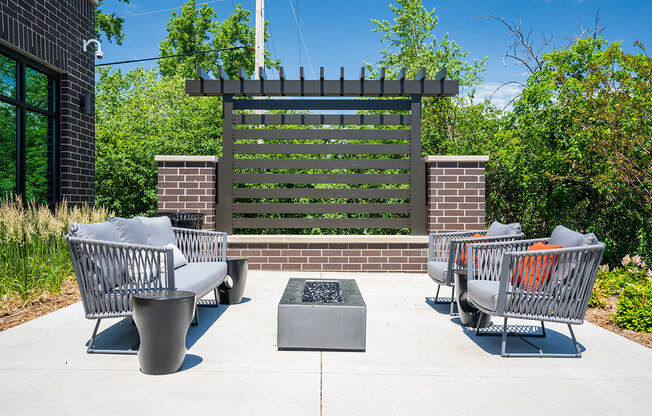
333, 257
456, 193
51, 32
187, 184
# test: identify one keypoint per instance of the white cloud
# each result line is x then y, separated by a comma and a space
499, 98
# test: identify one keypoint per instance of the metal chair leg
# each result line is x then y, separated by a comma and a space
505, 333
91, 350
451, 302
217, 303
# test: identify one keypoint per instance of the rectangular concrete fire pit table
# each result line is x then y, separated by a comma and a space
322, 314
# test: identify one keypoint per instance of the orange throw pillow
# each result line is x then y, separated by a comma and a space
462, 256
539, 268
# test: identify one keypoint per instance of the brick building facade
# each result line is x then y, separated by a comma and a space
46, 38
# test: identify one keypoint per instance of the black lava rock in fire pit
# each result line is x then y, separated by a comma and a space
322, 292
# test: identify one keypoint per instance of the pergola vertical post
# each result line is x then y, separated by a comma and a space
224, 207
419, 225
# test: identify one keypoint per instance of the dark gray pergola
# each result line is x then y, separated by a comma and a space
401, 145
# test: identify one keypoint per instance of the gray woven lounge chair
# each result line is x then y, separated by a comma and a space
109, 271
500, 283
445, 253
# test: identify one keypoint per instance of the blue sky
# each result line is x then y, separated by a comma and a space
339, 33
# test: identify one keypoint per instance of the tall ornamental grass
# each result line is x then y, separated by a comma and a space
33, 252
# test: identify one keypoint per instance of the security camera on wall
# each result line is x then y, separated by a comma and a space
98, 53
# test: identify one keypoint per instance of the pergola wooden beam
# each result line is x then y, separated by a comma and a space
362, 87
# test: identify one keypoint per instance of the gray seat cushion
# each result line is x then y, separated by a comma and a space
159, 231
497, 229
200, 278
437, 271
131, 230
104, 231
484, 294
568, 238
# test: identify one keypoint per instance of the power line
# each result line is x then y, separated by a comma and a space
175, 56
165, 10
304, 42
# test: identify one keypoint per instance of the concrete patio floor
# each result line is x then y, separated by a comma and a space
418, 361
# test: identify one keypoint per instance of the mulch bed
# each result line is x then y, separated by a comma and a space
15, 311
603, 318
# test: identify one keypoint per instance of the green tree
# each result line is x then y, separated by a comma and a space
138, 115
411, 42
111, 25
578, 149
196, 29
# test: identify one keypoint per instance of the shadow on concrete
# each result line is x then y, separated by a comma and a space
122, 336
208, 315
491, 341
442, 308
189, 362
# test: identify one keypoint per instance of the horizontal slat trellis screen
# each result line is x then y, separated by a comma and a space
358, 176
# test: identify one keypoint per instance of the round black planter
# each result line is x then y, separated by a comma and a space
469, 315
162, 318
230, 292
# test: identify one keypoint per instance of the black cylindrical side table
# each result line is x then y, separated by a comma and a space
162, 318
469, 315
231, 290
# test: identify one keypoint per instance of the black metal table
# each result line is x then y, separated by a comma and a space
469, 315
162, 318
231, 290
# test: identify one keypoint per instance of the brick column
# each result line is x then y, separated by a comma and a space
187, 184
456, 193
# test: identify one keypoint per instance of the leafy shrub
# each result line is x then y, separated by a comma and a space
33, 252
632, 285
635, 307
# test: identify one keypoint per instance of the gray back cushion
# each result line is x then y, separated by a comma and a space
497, 229
130, 230
159, 231
568, 238
104, 231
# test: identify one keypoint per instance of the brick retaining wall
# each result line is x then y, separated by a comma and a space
332, 253
456, 201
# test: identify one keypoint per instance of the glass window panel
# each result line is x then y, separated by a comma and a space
7, 149
7, 76
36, 88
39, 181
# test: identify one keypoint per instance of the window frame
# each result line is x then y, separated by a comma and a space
20, 102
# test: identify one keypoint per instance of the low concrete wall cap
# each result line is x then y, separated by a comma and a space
317, 239
456, 158
176, 158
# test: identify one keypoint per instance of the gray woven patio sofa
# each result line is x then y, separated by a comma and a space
117, 258
528, 280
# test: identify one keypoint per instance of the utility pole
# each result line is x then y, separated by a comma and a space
260, 37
